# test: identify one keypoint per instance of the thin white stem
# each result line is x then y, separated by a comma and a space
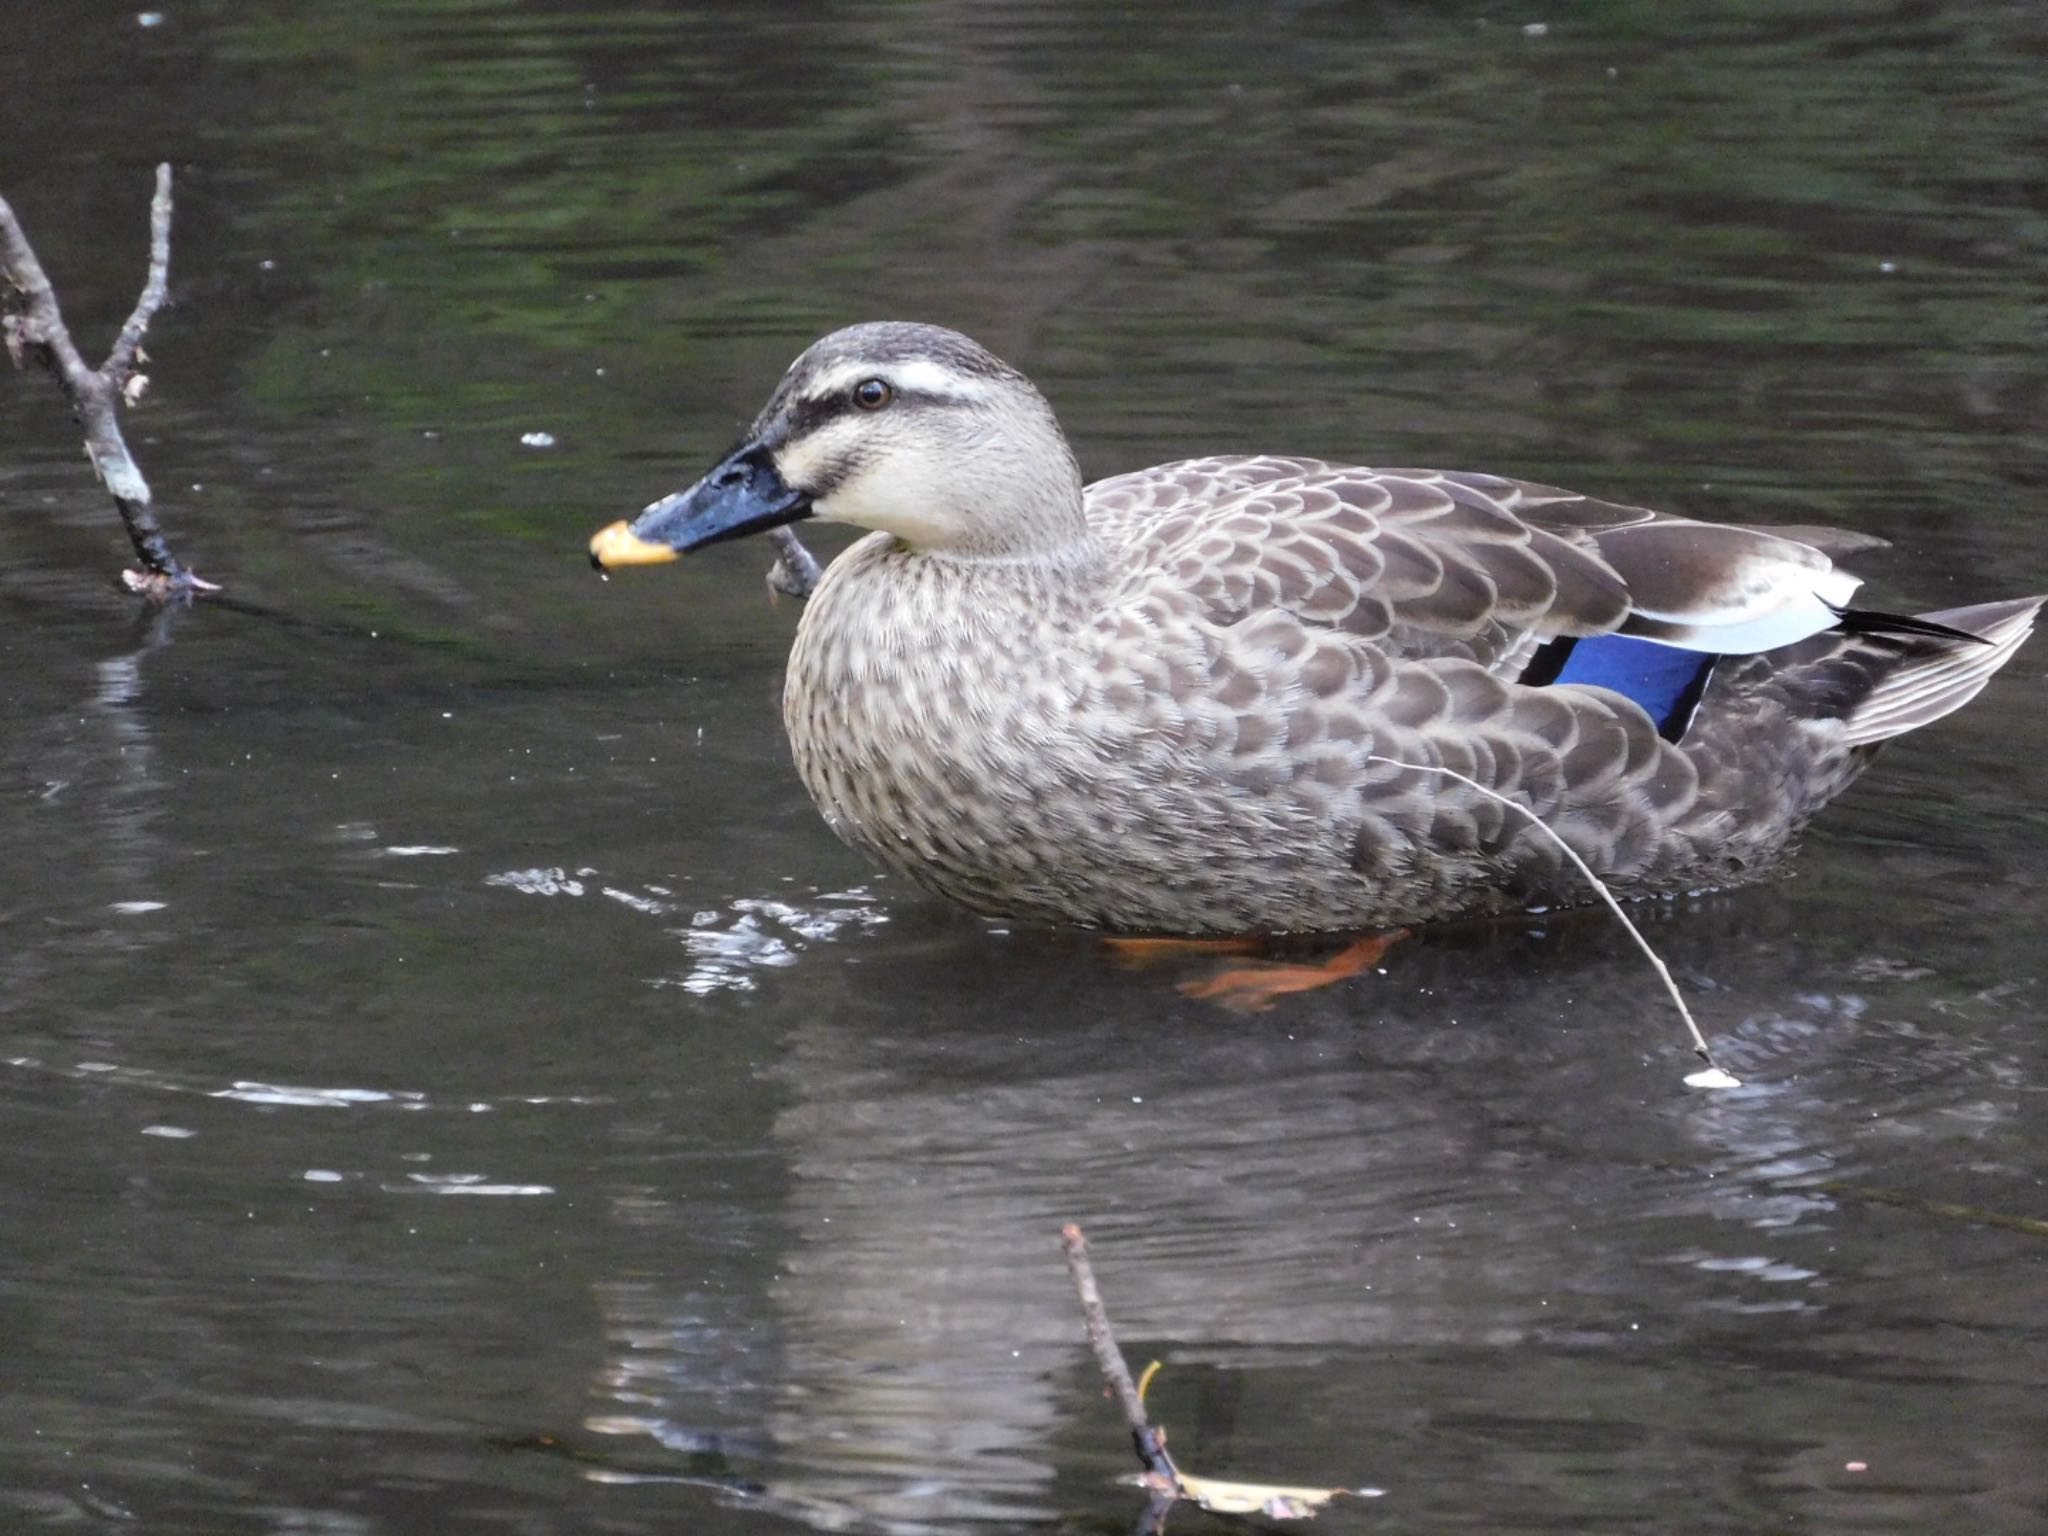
1699, 1041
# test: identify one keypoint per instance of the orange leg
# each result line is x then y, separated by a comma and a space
1253, 988
1143, 954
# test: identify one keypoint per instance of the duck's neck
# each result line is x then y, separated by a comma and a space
1079, 556
883, 597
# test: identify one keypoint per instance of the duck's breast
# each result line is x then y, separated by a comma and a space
938, 716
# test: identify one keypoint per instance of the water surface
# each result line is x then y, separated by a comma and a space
453, 1080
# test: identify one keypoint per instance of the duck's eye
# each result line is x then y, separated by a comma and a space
872, 394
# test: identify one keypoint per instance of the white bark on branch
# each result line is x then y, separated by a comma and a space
33, 327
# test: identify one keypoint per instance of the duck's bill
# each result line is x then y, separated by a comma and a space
742, 495
619, 545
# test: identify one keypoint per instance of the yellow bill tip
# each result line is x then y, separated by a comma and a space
619, 545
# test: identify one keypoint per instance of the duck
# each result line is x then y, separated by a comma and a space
1271, 695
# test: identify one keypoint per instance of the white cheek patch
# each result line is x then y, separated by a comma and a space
859, 476
912, 498
818, 457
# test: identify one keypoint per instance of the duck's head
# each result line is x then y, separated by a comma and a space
912, 430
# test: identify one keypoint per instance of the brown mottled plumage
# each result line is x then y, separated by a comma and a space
1204, 697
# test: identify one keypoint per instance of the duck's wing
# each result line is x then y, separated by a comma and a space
1733, 589
1433, 563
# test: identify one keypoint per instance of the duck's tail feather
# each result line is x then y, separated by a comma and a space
1940, 662
1872, 621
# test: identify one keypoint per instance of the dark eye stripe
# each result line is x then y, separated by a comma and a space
806, 415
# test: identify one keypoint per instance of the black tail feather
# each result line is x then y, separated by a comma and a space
1870, 621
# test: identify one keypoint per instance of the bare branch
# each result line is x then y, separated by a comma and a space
34, 329
1162, 1481
38, 329
120, 362
1148, 1442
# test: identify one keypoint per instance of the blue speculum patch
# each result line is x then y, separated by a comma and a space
1665, 680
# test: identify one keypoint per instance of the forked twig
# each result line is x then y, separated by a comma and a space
35, 329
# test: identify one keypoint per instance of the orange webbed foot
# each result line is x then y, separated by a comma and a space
1254, 988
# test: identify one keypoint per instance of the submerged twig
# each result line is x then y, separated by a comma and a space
1713, 1077
2033, 1226
35, 329
1163, 1482
1149, 1443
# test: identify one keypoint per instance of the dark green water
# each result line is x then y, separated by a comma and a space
432, 1017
